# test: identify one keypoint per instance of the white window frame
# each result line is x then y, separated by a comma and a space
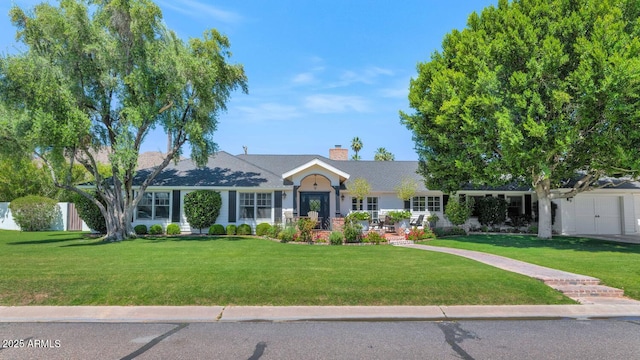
419, 204
373, 207
152, 200
357, 204
255, 204
264, 203
434, 203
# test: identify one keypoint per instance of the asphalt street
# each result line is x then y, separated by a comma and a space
473, 339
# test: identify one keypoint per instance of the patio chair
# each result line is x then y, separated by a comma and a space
387, 224
288, 217
313, 215
418, 221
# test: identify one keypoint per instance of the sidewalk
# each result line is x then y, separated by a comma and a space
210, 314
581, 288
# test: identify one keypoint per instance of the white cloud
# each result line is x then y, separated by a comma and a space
198, 9
266, 111
326, 104
304, 78
365, 76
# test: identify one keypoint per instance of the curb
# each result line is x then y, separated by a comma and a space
211, 314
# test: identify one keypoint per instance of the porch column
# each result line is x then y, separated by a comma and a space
295, 201
337, 189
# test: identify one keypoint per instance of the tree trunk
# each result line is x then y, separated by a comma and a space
118, 223
543, 190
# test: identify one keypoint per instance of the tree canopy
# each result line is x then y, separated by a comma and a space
356, 146
100, 75
543, 92
383, 154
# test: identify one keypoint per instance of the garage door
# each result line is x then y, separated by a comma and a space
598, 215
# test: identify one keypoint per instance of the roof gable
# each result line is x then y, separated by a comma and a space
316, 162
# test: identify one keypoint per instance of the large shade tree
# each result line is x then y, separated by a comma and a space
100, 75
543, 92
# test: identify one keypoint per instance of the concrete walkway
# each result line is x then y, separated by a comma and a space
582, 288
193, 314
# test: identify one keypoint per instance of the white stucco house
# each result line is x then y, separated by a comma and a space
269, 188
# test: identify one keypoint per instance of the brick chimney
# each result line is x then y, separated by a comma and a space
338, 153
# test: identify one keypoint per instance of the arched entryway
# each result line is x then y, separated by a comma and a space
319, 202
315, 195
316, 184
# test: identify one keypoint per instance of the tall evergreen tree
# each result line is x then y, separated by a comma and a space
544, 92
356, 146
383, 155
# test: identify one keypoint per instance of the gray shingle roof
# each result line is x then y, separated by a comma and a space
222, 170
384, 176
265, 171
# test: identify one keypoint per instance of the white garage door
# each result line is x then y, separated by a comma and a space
598, 215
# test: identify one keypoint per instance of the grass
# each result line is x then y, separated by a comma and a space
58, 268
616, 264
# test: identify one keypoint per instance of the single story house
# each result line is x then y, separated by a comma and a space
272, 188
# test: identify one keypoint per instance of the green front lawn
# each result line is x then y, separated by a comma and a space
616, 264
58, 268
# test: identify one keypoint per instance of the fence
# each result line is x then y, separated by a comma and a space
68, 219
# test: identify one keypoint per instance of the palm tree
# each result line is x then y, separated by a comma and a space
383, 155
356, 145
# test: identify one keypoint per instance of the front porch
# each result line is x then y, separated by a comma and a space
316, 191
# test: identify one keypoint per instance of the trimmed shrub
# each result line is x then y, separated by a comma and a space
263, 229
231, 229
335, 238
289, 233
274, 231
173, 229
306, 227
420, 234
217, 229
34, 213
493, 211
140, 229
374, 238
458, 212
244, 229
202, 207
90, 213
156, 229
352, 232
451, 231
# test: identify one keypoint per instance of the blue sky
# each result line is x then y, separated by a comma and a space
320, 72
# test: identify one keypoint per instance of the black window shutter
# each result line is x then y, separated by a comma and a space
407, 204
501, 196
527, 204
232, 206
175, 207
445, 200
278, 207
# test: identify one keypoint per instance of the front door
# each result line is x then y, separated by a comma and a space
316, 201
